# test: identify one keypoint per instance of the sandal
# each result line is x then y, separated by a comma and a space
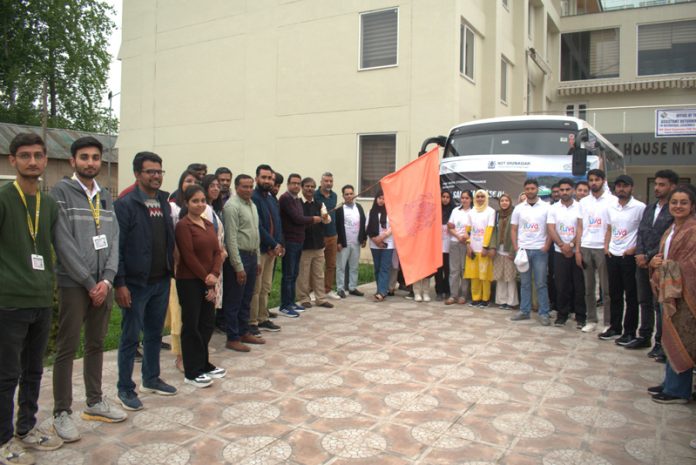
450, 301
379, 297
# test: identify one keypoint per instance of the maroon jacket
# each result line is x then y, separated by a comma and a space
293, 218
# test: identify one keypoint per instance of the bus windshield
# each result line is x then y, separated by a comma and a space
526, 141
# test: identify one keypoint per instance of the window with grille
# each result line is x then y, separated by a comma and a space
377, 159
667, 48
379, 38
590, 55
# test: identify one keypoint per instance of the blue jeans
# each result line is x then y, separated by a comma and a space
538, 264
23, 339
236, 298
677, 384
382, 260
291, 268
146, 314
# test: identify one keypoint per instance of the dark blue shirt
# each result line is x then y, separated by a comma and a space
330, 202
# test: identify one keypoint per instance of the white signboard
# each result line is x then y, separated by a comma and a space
675, 122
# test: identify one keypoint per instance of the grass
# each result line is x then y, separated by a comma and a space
365, 275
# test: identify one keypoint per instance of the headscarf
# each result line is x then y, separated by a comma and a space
504, 216
485, 203
446, 209
378, 216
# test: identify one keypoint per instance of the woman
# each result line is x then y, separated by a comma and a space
173, 319
504, 272
442, 288
456, 227
480, 252
196, 275
213, 213
211, 187
381, 244
674, 267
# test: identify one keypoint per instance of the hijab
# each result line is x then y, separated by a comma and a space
485, 203
504, 216
446, 209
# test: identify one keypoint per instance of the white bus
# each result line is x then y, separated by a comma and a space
498, 154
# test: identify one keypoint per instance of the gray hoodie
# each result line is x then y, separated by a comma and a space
79, 263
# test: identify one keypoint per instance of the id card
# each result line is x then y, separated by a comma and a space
100, 242
37, 262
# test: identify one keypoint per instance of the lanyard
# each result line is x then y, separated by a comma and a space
33, 225
95, 206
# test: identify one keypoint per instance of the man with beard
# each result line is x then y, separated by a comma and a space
27, 224
224, 178
656, 220
589, 250
562, 225
87, 250
620, 248
325, 195
271, 235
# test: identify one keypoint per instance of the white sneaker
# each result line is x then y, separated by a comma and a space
104, 411
64, 426
40, 440
426, 297
589, 327
418, 298
217, 373
12, 453
333, 295
202, 381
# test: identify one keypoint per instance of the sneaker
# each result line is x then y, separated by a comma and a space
103, 411
325, 304
609, 334
655, 389
560, 321
158, 387
272, 314
299, 308
332, 295
519, 316
12, 453
418, 298
579, 324
356, 293
545, 320
40, 440
639, 343
663, 398
216, 373
254, 329
692, 444
289, 312
341, 294
426, 297
504, 306
624, 340
65, 428
655, 351
129, 400
483, 304
304, 306
661, 358
409, 296
473, 303
589, 327
268, 325
201, 381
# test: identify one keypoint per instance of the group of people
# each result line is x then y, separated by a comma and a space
204, 257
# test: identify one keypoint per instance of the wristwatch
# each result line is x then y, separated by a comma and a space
108, 283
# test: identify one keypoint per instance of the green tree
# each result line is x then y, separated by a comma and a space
64, 44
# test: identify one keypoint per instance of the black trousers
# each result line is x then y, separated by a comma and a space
442, 276
570, 287
197, 323
622, 283
550, 282
649, 307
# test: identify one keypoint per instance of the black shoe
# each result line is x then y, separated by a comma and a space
504, 306
268, 325
625, 339
356, 292
580, 324
166, 346
560, 321
609, 334
638, 343
138, 356
391, 294
655, 389
663, 398
254, 330
341, 293
661, 359
272, 314
655, 351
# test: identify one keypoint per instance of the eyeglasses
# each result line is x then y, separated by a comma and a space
25, 156
153, 172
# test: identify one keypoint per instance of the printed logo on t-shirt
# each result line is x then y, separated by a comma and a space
566, 231
477, 232
595, 223
530, 227
618, 233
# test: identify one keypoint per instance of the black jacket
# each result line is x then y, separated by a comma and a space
649, 234
314, 233
341, 226
135, 239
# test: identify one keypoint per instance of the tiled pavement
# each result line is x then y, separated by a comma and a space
399, 383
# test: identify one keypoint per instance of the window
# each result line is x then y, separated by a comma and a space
503, 80
466, 51
379, 38
577, 110
590, 55
377, 159
667, 48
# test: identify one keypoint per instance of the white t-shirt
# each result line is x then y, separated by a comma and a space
530, 221
594, 216
460, 219
565, 220
389, 242
624, 222
445, 239
351, 221
479, 222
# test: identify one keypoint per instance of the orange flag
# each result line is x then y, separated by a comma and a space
412, 198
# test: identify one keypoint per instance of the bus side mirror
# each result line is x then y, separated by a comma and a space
439, 140
579, 162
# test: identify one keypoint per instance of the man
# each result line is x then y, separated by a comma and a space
27, 222
87, 250
271, 237
582, 190
146, 258
277, 182
555, 194
325, 195
656, 220
562, 228
224, 178
311, 274
350, 226
293, 223
589, 250
529, 232
620, 246
199, 170
241, 269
